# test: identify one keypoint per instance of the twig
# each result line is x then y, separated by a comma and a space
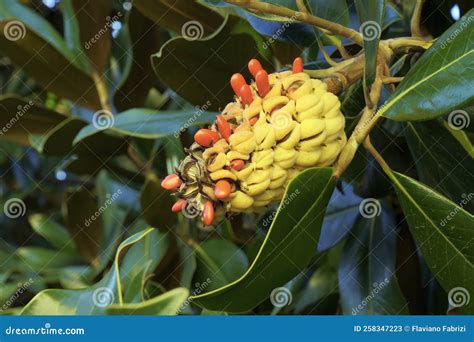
378, 157
102, 92
267, 8
416, 19
389, 80
364, 126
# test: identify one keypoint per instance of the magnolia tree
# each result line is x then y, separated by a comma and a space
220, 157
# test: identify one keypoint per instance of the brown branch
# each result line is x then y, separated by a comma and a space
416, 19
267, 8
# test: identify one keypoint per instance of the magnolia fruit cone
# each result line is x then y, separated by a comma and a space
278, 126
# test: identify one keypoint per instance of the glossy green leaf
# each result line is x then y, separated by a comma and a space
20, 117
144, 41
219, 262
43, 260
151, 124
200, 70
94, 19
443, 233
52, 232
441, 161
59, 142
439, 81
370, 14
166, 304
88, 301
28, 18
341, 214
288, 246
367, 281
72, 33
83, 221
179, 14
49, 67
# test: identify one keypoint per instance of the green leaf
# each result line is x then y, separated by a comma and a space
52, 232
440, 160
72, 33
341, 213
437, 83
144, 41
38, 25
179, 14
200, 70
43, 260
370, 14
151, 124
20, 117
287, 248
442, 231
58, 141
82, 220
94, 20
88, 301
219, 262
367, 281
49, 67
167, 304
141, 260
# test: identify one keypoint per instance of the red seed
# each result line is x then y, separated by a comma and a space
246, 94
236, 82
178, 206
171, 182
208, 213
253, 120
254, 67
237, 164
206, 137
223, 127
297, 65
263, 84
222, 189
